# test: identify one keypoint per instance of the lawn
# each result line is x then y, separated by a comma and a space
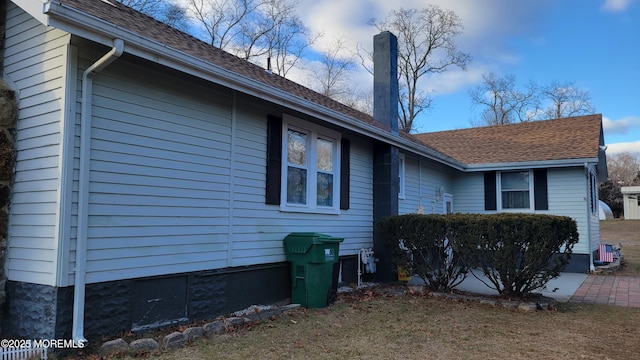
626, 233
367, 326
420, 327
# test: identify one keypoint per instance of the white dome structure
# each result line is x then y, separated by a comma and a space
605, 211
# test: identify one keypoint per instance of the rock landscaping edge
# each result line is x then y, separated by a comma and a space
178, 339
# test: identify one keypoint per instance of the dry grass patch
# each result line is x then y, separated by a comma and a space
418, 327
627, 233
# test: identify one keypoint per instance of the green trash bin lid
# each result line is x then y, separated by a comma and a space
301, 242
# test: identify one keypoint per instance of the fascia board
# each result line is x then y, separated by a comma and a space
35, 8
530, 165
100, 31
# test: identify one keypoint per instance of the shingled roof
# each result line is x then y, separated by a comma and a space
560, 139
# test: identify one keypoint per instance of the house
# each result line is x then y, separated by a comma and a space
156, 176
543, 167
631, 202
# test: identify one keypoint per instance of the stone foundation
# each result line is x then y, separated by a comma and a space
115, 307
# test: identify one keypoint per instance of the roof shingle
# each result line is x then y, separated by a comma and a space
560, 139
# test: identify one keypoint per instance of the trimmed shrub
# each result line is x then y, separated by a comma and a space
517, 253
418, 243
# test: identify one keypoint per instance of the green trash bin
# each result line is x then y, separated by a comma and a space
314, 268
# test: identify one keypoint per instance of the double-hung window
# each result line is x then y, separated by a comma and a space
521, 190
311, 172
515, 189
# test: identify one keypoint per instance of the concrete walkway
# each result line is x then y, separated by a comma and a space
561, 288
609, 290
570, 287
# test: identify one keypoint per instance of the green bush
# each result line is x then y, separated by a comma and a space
517, 253
418, 243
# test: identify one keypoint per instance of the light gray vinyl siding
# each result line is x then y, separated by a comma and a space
177, 180
425, 183
468, 193
159, 183
567, 195
34, 66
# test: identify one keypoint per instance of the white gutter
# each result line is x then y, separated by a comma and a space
542, 164
83, 191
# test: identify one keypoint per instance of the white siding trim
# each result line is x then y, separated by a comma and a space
66, 160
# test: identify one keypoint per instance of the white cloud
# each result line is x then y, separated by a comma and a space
631, 146
487, 24
454, 80
616, 5
630, 124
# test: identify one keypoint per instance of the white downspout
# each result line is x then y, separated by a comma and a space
83, 190
587, 171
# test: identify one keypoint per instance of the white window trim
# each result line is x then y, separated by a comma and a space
401, 175
314, 131
531, 207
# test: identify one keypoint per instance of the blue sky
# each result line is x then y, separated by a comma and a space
593, 43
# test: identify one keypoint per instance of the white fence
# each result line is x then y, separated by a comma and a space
23, 353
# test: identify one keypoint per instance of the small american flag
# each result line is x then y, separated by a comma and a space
604, 255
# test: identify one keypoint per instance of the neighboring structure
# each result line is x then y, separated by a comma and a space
631, 201
605, 211
156, 176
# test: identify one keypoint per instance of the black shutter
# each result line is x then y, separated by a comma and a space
540, 189
490, 190
274, 160
345, 174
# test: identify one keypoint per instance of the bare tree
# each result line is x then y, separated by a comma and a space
221, 18
166, 11
145, 6
332, 76
566, 100
289, 37
255, 29
623, 168
333, 69
426, 45
503, 103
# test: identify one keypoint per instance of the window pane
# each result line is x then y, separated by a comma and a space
515, 180
325, 189
325, 155
515, 200
296, 185
296, 148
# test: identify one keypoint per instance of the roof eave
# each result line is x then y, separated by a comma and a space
530, 164
81, 24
